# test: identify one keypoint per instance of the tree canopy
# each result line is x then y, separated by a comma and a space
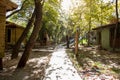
78, 14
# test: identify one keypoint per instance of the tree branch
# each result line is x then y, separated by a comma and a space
17, 10
43, 2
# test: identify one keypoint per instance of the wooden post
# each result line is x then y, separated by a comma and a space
76, 42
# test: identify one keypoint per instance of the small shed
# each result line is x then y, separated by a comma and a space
13, 32
105, 36
5, 5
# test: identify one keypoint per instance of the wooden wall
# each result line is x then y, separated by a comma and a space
2, 29
15, 34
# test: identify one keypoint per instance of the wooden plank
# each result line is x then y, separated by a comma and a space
2, 44
2, 19
2, 12
2, 9
2, 35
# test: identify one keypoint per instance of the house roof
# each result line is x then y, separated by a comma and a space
13, 25
8, 4
105, 26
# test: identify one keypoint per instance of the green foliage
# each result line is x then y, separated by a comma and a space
50, 22
83, 41
95, 11
50, 13
57, 23
24, 14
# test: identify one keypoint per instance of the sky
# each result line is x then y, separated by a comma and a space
66, 4
108, 0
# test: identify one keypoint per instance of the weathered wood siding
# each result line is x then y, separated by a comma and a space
2, 29
16, 33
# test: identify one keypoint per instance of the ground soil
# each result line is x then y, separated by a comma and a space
91, 64
94, 64
34, 69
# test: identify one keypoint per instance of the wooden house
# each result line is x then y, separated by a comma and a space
5, 5
105, 36
13, 32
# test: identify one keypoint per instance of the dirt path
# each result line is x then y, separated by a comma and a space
60, 67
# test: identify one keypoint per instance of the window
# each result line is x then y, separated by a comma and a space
8, 35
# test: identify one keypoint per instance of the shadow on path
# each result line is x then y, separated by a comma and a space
60, 67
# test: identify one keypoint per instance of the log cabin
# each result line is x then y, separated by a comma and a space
5, 6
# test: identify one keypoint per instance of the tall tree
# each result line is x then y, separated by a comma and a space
50, 14
33, 37
76, 42
117, 25
50, 20
90, 21
22, 37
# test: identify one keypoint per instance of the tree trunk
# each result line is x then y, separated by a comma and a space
117, 24
1, 64
89, 24
67, 39
22, 37
101, 11
76, 42
33, 37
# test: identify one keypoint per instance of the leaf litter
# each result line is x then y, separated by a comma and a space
94, 64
